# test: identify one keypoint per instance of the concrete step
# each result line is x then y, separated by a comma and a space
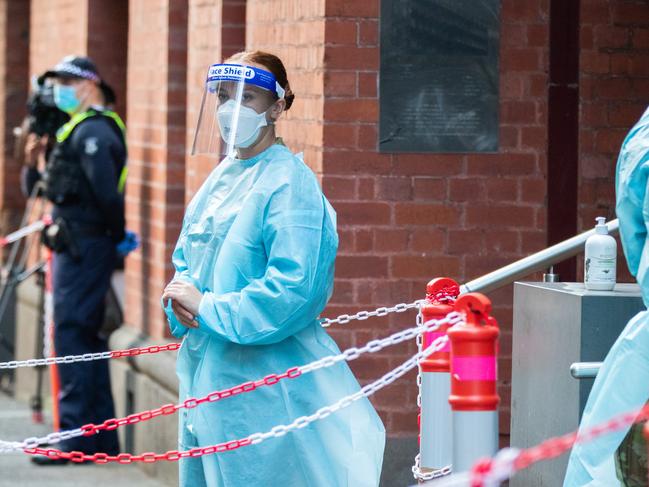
17, 470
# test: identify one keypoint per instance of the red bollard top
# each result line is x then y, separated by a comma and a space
440, 298
474, 356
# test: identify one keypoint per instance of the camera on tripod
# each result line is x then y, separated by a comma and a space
43, 116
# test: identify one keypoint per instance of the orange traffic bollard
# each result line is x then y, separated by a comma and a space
474, 397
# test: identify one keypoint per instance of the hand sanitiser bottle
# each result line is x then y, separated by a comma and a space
600, 258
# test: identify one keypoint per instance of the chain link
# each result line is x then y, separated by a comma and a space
363, 315
420, 342
347, 355
445, 295
87, 357
325, 322
33, 442
433, 474
256, 438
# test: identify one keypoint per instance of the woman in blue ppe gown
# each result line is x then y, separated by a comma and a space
621, 383
254, 268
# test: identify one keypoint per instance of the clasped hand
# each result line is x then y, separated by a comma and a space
185, 300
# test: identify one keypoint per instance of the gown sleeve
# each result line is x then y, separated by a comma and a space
182, 272
293, 288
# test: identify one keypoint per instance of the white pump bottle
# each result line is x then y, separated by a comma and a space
600, 258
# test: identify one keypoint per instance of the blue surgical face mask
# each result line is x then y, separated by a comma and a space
65, 98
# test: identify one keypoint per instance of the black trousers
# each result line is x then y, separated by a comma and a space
80, 288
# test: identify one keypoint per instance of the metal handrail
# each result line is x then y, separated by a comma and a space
535, 262
585, 370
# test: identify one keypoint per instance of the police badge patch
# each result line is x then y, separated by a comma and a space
91, 145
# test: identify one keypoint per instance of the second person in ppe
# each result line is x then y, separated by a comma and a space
621, 383
254, 269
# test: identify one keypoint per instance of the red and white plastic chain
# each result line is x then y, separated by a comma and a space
87, 357
445, 295
325, 322
277, 431
553, 447
348, 355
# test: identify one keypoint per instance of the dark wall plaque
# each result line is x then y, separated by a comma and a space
439, 75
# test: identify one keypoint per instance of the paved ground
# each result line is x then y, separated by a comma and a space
17, 470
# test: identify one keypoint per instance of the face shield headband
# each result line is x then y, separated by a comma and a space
233, 107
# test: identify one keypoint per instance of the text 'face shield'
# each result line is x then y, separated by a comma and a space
233, 109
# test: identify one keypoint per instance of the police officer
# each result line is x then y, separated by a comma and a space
84, 179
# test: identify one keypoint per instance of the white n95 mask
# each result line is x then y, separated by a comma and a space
247, 125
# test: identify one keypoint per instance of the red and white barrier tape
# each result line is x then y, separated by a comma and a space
23, 232
348, 355
256, 438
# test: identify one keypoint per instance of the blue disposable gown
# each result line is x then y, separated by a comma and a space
621, 383
259, 241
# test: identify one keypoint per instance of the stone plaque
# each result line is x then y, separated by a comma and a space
439, 75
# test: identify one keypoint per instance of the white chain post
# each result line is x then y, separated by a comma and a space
435, 456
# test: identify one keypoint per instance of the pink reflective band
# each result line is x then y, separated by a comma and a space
474, 368
430, 337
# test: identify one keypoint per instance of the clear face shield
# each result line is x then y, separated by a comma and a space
233, 109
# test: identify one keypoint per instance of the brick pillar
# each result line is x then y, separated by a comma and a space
216, 31
204, 48
107, 44
157, 61
14, 50
57, 28
233, 27
294, 30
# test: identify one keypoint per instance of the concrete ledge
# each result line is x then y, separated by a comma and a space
28, 335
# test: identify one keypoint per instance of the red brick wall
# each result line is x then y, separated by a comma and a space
157, 62
406, 218
107, 44
613, 89
14, 76
206, 47
57, 28
233, 27
294, 30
